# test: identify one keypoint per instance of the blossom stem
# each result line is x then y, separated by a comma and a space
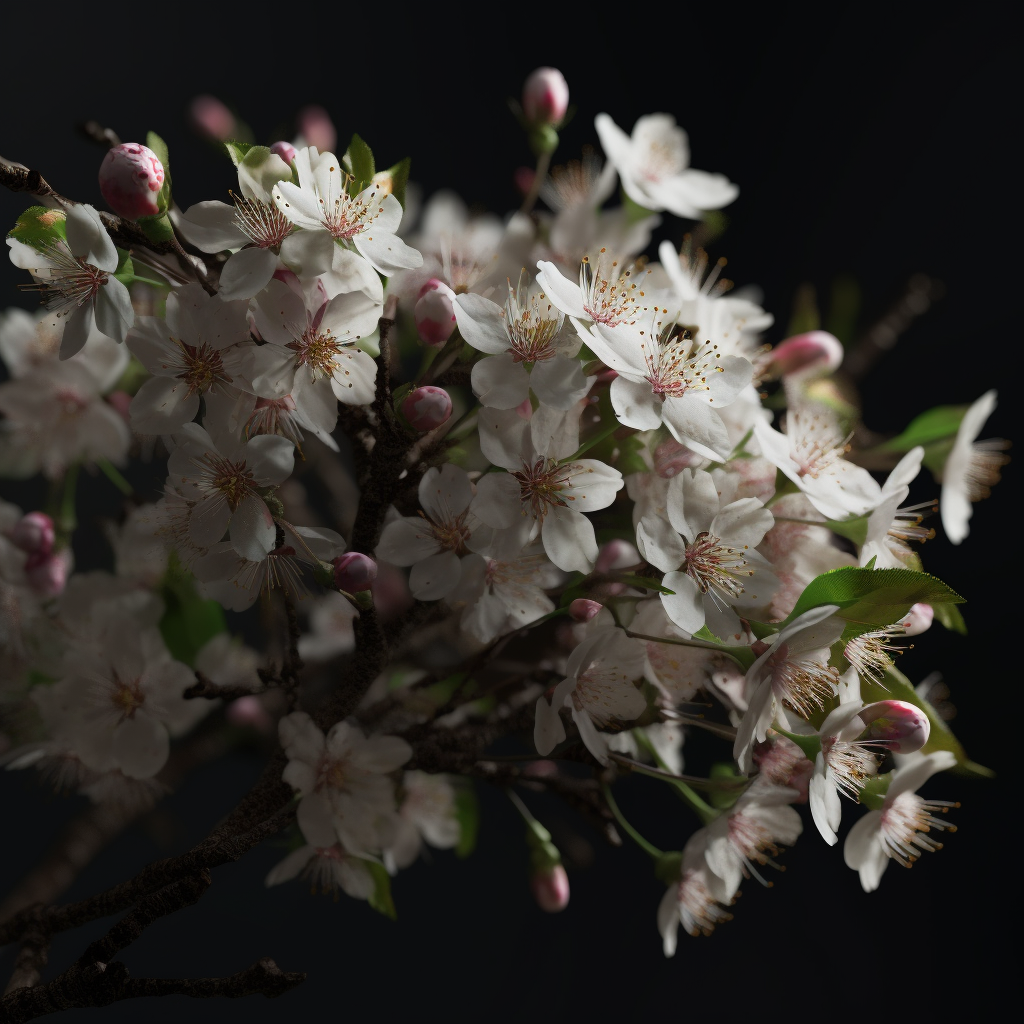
703, 811
667, 775
539, 174
649, 848
68, 519
114, 476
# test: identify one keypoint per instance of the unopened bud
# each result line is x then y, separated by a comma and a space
210, 117
46, 575
435, 313
426, 408
583, 609
550, 887
285, 150
814, 351
545, 96
250, 713
616, 554
34, 533
918, 619
131, 177
902, 727
317, 128
354, 572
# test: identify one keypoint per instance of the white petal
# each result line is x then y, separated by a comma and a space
481, 323
569, 540
212, 227
685, 607
247, 272
694, 423
141, 746
500, 382
385, 252
659, 543
114, 312
406, 541
435, 577
635, 404
88, 238
252, 529
564, 294
559, 382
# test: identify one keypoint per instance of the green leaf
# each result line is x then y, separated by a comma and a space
934, 425
236, 150
873, 597
359, 160
189, 621
157, 229
641, 581
896, 686
872, 793
399, 175
950, 617
380, 898
39, 226
125, 272
155, 143
467, 814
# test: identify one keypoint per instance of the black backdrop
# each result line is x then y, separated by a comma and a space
864, 145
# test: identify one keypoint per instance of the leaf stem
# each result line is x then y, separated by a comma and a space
647, 847
111, 472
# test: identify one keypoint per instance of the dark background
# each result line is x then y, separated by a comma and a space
865, 144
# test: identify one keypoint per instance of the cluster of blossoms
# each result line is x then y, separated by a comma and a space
482, 478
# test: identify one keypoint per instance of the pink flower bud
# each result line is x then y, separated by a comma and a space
354, 572
317, 128
671, 458
250, 713
426, 408
46, 575
550, 887
583, 610
545, 96
616, 554
285, 150
918, 619
212, 118
34, 533
131, 177
814, 351
902, 727
435, 313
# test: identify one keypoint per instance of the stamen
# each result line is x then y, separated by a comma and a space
264, 223
713, 565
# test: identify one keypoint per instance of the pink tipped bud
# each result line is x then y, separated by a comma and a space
131, 177
902, 727
250, 713
616, 554
583, 610
426, 408
210, 117
285, 150
550, 887
317, 128
671, 458
816, 351
435, 313
545, 96
46, 574
918, 619
34, 533
354, 572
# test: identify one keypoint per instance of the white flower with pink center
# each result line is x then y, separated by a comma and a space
793, 673
75, 276
328, 869
543, 491
599, 690
436, 542
654, 167
707, 554
811, 454
225, 478
666, 374
689, 899
343, 781
261, 236
748, 836
528, 332
367, 222
902, 828
427, 815
192, 351
312, 352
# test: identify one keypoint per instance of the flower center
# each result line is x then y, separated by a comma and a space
200, 367
816, 444
610, 296
804, 686
346, 216
903, 823
451, 533
319, 350
698, 909
332, 772
274, 416
232, 479
869, 652
531, 326
266, 225
987, 459
71, 282
541, 486
713, 565
677, 364
906, 526
126, 695
851, 763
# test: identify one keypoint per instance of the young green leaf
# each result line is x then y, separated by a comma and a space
359, 160
467, 814
39, 226
380, 898
934, 425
